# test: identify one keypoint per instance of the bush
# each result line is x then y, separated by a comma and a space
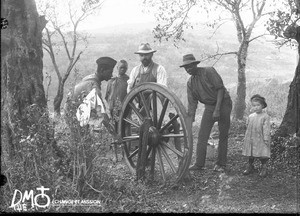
238, 127
285, 153
32, 161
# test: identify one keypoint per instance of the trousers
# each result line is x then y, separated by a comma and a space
206, 125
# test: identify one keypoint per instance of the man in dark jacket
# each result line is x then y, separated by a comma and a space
105, 66
104, 71
206, 86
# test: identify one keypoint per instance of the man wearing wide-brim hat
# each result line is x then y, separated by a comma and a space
147, 71
206, 86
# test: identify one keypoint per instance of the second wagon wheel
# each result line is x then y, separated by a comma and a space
169, 143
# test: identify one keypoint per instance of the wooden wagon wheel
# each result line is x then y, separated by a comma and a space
168, 149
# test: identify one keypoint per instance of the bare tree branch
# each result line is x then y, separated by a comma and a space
48, 85
254, 38
215, 30
219, 54
64, 42
71, 67
52, 56
252, 9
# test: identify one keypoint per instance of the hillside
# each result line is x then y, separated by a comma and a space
265, 61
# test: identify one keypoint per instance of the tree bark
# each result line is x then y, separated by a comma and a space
21, 69
240, 104
291, 120
58, 98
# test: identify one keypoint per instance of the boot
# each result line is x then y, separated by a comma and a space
249, 169
263, 172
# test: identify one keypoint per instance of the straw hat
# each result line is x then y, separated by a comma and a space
145, 48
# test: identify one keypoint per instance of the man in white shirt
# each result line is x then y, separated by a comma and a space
147, 71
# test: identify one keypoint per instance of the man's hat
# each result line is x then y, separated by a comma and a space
145, 48
189, 59
106, 61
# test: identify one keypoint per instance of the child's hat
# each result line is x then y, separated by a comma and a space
260, 99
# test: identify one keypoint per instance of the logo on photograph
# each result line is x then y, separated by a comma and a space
28, 200
39, 200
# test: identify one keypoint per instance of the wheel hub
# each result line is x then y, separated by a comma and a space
154, 136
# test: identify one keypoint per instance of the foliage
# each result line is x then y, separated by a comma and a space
115, 187
285, 24
173, 18
287, 15
176, 16
238, 127
33, 163
285, 152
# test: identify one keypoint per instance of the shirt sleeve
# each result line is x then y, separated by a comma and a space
192, 103
162, 76
267, 128
132, 77
214, 78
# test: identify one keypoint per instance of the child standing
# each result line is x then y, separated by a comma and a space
117, 89
257, 137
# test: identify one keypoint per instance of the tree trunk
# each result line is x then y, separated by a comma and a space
21, 70
291, 120
58, 98
240, 104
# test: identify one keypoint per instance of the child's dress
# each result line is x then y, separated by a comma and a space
258, 130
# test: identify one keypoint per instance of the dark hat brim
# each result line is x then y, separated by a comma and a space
145, 52
189, 62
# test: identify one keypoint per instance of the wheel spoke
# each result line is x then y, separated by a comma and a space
133, 153
172, 149
169, 123
172, 135
133, 107
152, 163
131, 138
132, 122
145, 106
163, 112
154, 108
168, 159
161, 164
148, 151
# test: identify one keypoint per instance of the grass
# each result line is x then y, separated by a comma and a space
208, 192
115, 187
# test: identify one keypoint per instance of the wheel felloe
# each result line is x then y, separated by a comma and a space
167, 149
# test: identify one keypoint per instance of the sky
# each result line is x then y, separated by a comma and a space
118, 12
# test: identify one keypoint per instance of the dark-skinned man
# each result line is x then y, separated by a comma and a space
86, 96
206, 86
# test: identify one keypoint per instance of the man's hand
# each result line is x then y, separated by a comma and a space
216, 115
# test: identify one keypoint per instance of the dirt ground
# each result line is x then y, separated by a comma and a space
210, 191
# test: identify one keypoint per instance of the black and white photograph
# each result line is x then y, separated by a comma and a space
150, 106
